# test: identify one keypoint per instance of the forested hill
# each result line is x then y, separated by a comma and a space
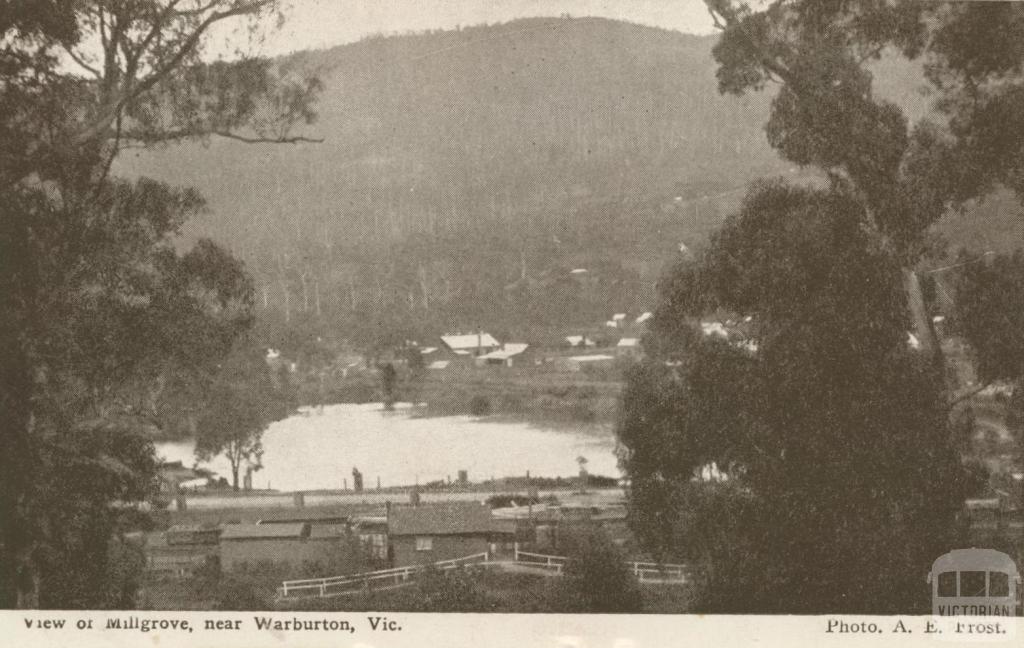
464, 173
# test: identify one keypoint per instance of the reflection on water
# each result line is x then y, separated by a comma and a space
314, 450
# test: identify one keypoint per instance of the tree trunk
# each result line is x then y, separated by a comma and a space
924, 330
25, 571
424, 286
304, 278
283, 281
235, 465
287, 302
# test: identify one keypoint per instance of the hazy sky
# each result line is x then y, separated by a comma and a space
323, 23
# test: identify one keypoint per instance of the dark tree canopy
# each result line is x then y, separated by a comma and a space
241, 403
842, 480
596, 578
108, 331
989, 314
831, 432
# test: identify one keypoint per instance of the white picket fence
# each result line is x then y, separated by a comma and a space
341, 584
554, 563
645, 572
657, 573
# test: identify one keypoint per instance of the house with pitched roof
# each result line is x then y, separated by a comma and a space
429, 533
470, 344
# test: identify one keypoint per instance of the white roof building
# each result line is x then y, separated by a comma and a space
714, 328
470, 342
509, 350
643, 318
579, 340
628, 343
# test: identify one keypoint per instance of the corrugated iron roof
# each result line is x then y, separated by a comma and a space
294, 517
327, 531
262, 531
449, 518
469, 342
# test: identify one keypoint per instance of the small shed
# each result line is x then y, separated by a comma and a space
628, 347
508, 355
575, 341
372, 532
283, 544
434, 532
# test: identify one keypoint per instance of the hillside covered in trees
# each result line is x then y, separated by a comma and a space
464, 173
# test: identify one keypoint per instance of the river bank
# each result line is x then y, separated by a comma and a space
320, 448
585, 401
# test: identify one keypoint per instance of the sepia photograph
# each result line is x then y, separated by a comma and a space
368, 308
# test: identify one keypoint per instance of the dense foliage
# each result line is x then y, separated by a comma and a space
242, 400
842, 480
596, 578
109, 331
832, 432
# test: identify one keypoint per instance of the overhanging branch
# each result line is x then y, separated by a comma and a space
137, 140
968, 395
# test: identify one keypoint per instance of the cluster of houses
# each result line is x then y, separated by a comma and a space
403, 535
619, 338
622, 340
574, 352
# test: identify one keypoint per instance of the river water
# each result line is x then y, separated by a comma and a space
317, 450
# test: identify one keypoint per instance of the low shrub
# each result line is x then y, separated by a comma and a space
479, 405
